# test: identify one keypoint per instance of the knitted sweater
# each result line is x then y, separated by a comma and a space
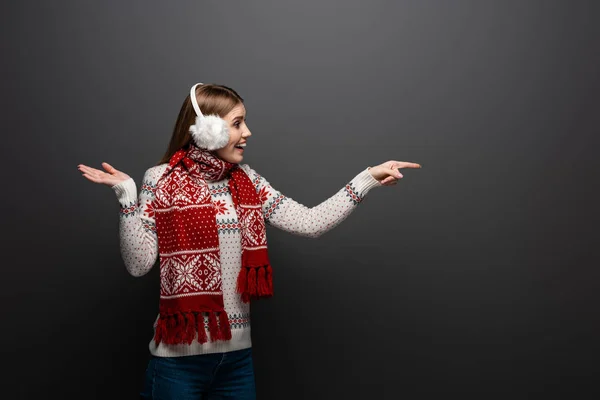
139, 243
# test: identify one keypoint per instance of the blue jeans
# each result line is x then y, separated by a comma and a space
201, 377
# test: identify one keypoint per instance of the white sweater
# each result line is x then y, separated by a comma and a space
139, 243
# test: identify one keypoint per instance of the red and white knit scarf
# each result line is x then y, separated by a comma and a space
188, 243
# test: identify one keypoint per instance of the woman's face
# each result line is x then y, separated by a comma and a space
238, 134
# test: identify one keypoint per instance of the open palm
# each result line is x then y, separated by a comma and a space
111, 177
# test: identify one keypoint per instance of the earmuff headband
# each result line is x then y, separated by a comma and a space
194, 101
208, 132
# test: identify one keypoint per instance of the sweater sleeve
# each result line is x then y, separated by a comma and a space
137, 229
286, 214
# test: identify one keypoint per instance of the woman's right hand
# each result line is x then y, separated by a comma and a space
111, 177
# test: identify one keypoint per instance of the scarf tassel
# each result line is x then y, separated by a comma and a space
213, 327
252, 286
200, 328
224, 326
170, 323
255, 282
242, 280
181, 327
219, 329
263, 285
190, 327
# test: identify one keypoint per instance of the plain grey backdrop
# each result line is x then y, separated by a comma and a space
476, 276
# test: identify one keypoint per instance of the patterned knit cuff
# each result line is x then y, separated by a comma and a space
364, 182
126, 192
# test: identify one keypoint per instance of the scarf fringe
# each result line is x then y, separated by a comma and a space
242, 280
224, 326
213, 327
190, 327
252, 286
181, 327
255, 282
200, 328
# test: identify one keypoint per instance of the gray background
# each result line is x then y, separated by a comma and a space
474, 276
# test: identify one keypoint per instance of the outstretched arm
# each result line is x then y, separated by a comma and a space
284, 213
137, 229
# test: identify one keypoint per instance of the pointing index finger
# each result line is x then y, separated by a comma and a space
405, 164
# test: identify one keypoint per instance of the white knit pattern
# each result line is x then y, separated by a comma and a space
139, 243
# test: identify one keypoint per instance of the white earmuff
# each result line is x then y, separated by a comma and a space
210, 132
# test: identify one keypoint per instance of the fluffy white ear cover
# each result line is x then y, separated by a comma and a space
210, 132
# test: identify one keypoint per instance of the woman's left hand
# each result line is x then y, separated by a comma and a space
387, 173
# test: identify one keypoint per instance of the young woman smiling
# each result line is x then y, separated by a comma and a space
203, 214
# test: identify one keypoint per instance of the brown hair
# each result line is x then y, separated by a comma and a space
212, 99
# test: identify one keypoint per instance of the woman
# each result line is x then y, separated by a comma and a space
203, 213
